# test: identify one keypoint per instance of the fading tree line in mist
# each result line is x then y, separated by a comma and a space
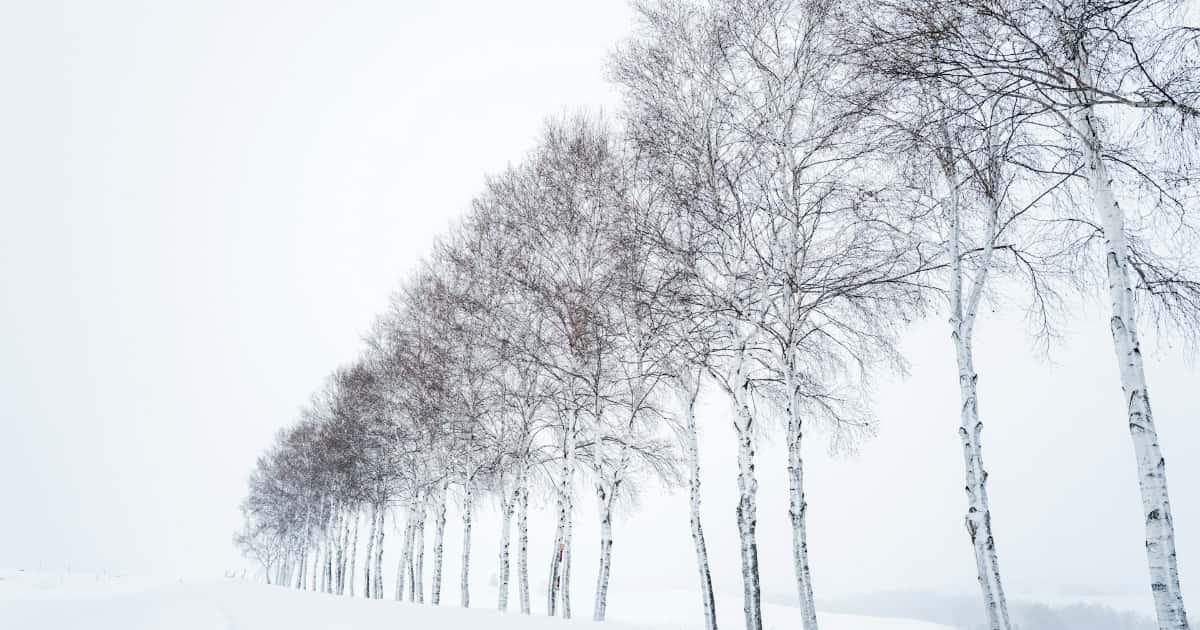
787, 185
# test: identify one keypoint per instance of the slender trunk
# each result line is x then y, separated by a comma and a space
568, 531
410, 581
317, 572
327, 541
606, 541
798, 507
1151, 465
692, 448
964, 306
468, 507
555, 562
418, 578
330, 548
367, 584
336, 555
979, 517
523, 543
507, 503
604, 498
405, 551
339, 555
747, 507
353, 553
303, 556
560, 565
439, 532
377, 589
565, 570
344, 556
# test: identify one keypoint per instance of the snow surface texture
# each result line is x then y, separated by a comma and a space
30, 601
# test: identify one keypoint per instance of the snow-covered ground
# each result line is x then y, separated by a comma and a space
31, 601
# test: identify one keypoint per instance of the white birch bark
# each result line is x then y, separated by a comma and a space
964, 307
606, 541
747, 507
691, 388
439, 533
350, 572
564, 591
339, 555
507, 506
303, 556
417, 593
797, 505
559, 584
317, 571
564, 570
367, 584
377, 589
552, 584
403, 568
1151, 465
409, 580
330, 551
604, 510
330, 535
523, 542
468, 508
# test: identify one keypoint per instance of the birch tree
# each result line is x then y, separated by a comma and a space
560, 204
807, 275
1108, 77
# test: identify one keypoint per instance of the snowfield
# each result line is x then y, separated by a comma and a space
88, 602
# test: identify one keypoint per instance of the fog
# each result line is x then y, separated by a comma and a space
203, 206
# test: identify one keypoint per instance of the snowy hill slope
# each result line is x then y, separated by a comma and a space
82, 602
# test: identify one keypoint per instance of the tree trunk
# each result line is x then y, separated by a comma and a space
979, 518
353, 553
303, 556
418, 562
402, 569
555, 563
565, 570
377, 589
439, 533
559, 576
317, 571
747, 507
606, 541
692, 448
330, 550
468, 508
339, 556
523, 543
568, 538
507, 503
964, 305
798, 507
367, 584
1151, 466
410, 578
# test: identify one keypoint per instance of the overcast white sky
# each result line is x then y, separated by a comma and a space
203, 205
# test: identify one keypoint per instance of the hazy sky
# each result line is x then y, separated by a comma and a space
203, 205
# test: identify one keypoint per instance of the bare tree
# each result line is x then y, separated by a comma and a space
1107, 79
738, 109
560, 205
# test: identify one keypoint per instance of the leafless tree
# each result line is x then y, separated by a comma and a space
1115, 88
